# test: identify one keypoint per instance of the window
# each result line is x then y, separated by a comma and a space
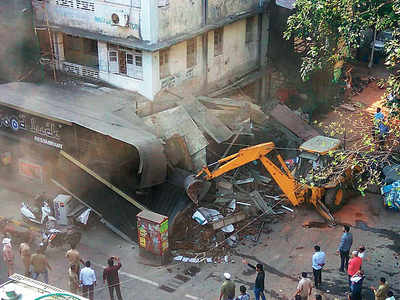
249, 29
164, 68
125, 61
113, 61
90, 46
191, 53
218, 41
72, 42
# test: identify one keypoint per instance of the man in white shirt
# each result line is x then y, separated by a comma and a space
87, 277
318, 261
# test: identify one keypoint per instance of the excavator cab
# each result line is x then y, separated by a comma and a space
314, 157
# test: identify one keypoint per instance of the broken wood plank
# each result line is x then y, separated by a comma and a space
229, 220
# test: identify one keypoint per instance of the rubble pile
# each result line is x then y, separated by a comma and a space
238, 210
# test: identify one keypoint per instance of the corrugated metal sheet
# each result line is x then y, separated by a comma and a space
93, 112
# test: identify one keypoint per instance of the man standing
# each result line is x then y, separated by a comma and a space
354, 265
381, 292
25, 252
111, 275
259, 284
227, 288
40, 266
304, 287
344, 247
318, 261
356, 285
74, 258
8, 255
73, 279
87, 277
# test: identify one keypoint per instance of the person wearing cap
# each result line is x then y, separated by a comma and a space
354, 265
8, 255
227, 288
259, 284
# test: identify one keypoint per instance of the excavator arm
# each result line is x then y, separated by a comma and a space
294, 191
285, 179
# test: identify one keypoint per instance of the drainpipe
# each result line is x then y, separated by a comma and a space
204, 43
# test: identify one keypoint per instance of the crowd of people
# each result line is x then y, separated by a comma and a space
352, 266
36, 266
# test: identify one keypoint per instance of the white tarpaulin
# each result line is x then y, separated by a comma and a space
286, 3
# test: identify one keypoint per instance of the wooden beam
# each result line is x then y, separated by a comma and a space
102, 180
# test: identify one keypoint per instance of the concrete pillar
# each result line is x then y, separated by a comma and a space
263, 55
58, 48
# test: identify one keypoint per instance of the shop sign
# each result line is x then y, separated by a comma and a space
30, 170
44, 131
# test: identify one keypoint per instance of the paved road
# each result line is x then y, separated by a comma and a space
285, 253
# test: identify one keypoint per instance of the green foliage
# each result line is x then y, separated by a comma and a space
332, 28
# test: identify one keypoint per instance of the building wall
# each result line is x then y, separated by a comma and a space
237, 56
179, 17
144, 87
178, 69
218, 10
95, 16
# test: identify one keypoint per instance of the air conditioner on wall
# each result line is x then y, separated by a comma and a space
119, 19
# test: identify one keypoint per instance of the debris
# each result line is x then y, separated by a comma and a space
177, 152
225, 185
287, 208
244, 181
242, 203
229, 220
285, 116
348, 107
204, 215
260, 203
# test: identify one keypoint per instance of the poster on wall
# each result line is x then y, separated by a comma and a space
30, 170
286, 3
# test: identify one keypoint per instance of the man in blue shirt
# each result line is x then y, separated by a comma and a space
318, 261
344, 247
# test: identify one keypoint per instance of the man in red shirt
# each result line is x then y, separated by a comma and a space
111, 275
354, 265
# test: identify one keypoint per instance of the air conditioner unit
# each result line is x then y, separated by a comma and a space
119, 19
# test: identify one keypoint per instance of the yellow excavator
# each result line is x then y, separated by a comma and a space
325, 196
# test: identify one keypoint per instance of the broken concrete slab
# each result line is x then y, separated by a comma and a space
285, 116
176, 120
207, 122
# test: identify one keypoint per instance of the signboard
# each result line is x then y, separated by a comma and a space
30, 170
37, 129
286, 3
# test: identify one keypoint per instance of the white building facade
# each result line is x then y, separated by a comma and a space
148, 45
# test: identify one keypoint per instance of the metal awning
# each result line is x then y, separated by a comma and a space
74, 106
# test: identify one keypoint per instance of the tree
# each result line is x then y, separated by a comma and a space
330, 31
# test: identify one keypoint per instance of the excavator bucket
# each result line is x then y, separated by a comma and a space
196, 188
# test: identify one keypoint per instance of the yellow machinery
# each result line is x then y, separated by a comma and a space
313, 154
